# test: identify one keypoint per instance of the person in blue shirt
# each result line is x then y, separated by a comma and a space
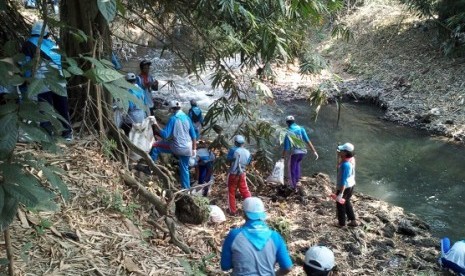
179, 138
239, 157
453, 258
204, 162
49, 66
195, 113
253, 248
345, 184
136, 114
297, 151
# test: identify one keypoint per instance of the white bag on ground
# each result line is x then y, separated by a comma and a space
277, 176
216, 214
141, 135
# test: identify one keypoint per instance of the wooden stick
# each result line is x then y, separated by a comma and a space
9, 252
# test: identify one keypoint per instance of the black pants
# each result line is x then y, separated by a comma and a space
346, 208
60, 104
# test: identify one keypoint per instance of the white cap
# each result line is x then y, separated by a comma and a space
290, 118
320, 258
130, 76
174, 104
254, 209
37, 28
346, 147
239, 139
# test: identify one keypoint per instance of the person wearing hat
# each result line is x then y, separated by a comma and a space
204, 165
147, 82
50, 61
319, 261
297, 151
136, 114
239, 157
195, 113
253, 248
179, 139
345, 184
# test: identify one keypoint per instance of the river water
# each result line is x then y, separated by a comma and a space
400, 165
403, 166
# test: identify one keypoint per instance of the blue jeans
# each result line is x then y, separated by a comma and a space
164, 147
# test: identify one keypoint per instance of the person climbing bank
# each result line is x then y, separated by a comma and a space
179, 139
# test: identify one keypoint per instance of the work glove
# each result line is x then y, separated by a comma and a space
194, 153
339, 197
153, 120
316, 155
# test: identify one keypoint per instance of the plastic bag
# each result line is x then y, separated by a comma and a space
277, 176
141, 135
216, 214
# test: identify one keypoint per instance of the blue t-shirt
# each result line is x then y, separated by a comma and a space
300, 133
239, 157
346, 173
254, 249
180, 132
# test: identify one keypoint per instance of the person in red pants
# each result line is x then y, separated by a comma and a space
239, 157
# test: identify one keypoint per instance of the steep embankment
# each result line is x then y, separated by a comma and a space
107, 229
395, 61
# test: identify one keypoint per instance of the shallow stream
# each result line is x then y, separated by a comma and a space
400, 165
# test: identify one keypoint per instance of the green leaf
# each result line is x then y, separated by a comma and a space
75, 70
102, 75
23, 187
107, 8
79, 35
8, 212
29, 111
4, 262
35, 133
94, 61
108, 63
24, 251
8, 134
56, 181
10, 48
57, 86
2, 198
72, 62
123, 96
36, 87
120, 7
8, 108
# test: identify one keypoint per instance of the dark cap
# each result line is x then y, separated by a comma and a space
144, 62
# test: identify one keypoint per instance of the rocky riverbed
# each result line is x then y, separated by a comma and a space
443, 114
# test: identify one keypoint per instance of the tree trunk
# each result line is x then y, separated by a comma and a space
84, 15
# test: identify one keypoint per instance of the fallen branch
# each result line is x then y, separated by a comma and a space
160, 206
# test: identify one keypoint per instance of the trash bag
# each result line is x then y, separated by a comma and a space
216, 214
141, 135
277, 176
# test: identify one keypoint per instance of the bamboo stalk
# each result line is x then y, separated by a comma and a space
9, 252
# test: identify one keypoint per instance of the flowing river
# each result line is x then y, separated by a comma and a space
400, 165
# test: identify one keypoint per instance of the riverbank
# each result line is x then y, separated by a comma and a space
394, 61
106, 228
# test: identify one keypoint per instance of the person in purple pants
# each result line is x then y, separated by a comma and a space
295, 148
